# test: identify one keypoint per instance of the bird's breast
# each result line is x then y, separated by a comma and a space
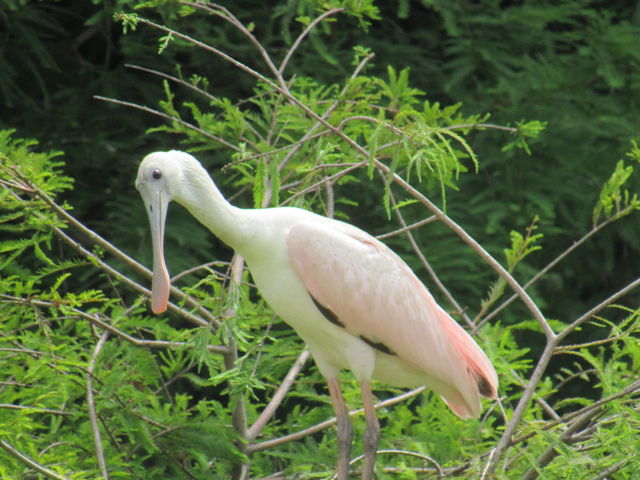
333, 348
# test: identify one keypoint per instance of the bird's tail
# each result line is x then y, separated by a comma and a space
477, 366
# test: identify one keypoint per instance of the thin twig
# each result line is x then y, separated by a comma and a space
422, 457
111, 249
278, 396
173, 78
30, 462
226, 14
425, 263
203, 266
605, 303
304, 33
239, 413
324, 180
270, 153
546, 269
211, 49
481, 125
611, 470
95, 320
91, 407
407, 228
170, 118
10, 406
256, 447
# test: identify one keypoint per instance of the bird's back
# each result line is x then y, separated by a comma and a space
359, 306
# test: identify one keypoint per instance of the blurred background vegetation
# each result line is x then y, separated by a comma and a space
573, 65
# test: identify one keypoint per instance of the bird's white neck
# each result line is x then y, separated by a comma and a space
201, 197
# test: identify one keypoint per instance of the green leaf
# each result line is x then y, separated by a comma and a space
614, 200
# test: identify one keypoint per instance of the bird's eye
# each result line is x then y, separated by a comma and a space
156, 174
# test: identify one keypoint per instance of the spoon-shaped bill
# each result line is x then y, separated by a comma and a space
160, 283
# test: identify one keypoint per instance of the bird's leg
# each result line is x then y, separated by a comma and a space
371, 432
345, 430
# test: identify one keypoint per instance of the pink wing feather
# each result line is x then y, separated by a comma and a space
377, 297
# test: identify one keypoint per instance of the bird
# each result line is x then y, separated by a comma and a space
356, 304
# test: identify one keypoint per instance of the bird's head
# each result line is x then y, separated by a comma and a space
166, 172
161, 178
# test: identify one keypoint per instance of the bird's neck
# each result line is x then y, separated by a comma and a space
208, 205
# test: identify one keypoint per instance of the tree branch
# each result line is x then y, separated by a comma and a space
278, 396
239, 414
30, 462
301, 37
256, 447
91, 407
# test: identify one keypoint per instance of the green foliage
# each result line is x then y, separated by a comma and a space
524, 131
172, 395
614, 200
521, 247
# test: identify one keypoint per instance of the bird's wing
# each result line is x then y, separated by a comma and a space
361, 285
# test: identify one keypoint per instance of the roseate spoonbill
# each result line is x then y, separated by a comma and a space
355, 303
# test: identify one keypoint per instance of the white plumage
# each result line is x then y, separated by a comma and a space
355, 303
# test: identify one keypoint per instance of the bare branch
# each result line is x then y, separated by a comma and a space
278, 396
422, 457
95, 320
225, 14
605, 303
304, 33
171, 118
256, 447
407, 228
10, 406
110, 248
204, 266
30, 462
425, 263
91, 407
175, 79
239, 414
527, 394
548, 267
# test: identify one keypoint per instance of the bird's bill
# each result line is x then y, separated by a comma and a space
157, 204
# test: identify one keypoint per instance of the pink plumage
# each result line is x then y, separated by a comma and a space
354, 302
376, 296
